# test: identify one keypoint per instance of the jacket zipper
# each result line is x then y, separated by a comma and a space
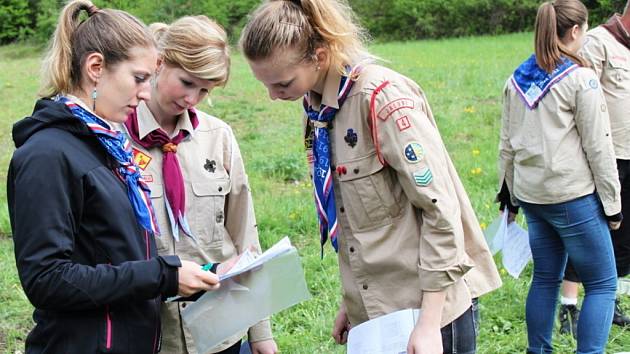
157, 335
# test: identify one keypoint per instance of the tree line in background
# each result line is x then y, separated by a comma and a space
35, 20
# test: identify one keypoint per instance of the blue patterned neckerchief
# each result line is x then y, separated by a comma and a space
118, 146
322, 175
533, 83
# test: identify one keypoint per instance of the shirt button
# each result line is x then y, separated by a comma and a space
342, 210
351, 249
356, 170
333, 167
365, 286
184, 305
220, 189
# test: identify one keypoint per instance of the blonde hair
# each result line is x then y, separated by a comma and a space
553, 20
196, 44
112, 33
305, 25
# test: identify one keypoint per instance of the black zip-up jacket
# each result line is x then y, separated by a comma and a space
85, 263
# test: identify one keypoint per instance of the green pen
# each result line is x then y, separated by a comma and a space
207, 267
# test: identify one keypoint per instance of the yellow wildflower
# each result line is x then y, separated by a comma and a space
476, 171
469, 109
475, 152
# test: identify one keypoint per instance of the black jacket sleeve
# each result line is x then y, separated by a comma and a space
46, 202
505, 200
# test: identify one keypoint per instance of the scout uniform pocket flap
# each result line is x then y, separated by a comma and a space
358, 168
220, 186
619, 63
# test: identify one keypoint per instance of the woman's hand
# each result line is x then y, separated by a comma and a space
425, 339
341, 326
192, 279
264, 347
614, 225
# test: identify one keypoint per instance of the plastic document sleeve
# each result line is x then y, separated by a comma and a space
235, 306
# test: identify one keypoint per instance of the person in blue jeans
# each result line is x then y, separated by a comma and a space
557, 162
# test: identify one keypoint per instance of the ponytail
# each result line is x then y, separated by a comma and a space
112, 33
305, 25
553, 20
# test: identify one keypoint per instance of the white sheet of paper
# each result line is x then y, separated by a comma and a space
495, 233
249, 260
388, 334
516, 250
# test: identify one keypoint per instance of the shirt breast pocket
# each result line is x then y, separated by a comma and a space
207, 209
370, 196
620, 72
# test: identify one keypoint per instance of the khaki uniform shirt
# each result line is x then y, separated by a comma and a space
219, 210
406, 226
611, 61
562, 149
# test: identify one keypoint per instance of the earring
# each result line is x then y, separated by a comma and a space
94, 95
317, 68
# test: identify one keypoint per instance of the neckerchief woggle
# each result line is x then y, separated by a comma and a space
171, 170
322, 175
532, 82
119, 147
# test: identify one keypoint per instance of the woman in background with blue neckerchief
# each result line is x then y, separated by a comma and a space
557, 163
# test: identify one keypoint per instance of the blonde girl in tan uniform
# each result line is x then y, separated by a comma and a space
387, 194
193, 165
558, 163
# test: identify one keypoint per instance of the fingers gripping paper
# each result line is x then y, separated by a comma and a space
237, 305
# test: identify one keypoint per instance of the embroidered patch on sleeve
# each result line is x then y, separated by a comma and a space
403, 123
141, 159
394, 106
423, 177
414, 152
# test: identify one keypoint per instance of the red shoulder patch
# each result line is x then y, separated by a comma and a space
394, 106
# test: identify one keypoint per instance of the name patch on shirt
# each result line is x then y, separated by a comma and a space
141, 159
394, 106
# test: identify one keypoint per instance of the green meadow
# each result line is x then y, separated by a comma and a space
463, 79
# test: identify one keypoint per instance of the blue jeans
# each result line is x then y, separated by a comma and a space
577, 229
460, 336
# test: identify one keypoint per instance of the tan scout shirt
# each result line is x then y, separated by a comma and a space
219, 210
611, 61
402, 233
562, 149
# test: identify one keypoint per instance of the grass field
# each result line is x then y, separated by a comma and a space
463, 79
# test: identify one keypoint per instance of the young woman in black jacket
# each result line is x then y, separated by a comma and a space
80, 212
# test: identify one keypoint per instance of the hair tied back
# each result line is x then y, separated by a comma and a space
92, 10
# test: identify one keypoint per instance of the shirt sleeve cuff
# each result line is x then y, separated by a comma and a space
170, 268
439, 279
260, 331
